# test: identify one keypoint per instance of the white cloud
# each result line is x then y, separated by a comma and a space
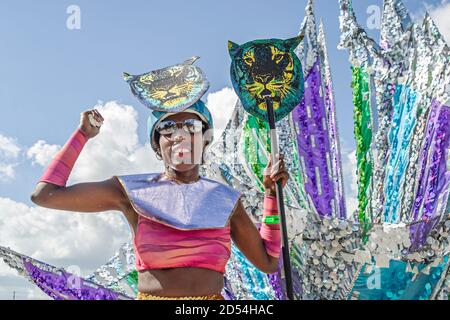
440, 12
221, 104
349, 165
42, 153
440, 15
9, 152
7, 171
8, 147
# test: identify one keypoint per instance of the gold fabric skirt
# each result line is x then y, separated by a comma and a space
148, 296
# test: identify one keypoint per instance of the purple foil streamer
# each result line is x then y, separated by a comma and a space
434, 175
438, 173
297, 282
423, 160
313, 142
59, 286
338, 180
279, 284
434, 180
227, 290
418, 232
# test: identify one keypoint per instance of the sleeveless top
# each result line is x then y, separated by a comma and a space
180, 225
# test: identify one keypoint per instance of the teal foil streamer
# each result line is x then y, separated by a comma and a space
403, 122
255, 282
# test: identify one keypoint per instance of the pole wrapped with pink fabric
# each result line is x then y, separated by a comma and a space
59, 169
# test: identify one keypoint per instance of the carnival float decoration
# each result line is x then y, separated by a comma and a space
396, 244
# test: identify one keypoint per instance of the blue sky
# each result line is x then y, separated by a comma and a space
50, 74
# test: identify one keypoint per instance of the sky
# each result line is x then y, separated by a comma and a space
51, 73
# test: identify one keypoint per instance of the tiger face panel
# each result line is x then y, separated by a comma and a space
267, 68
171, 89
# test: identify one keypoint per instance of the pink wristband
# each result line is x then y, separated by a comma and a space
59, 169
271, 233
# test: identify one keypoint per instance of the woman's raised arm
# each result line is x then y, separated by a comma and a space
51, 191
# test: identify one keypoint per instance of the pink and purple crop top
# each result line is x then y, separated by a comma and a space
158, 246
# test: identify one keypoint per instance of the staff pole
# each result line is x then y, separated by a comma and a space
280, 201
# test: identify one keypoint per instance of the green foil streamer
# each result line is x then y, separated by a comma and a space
254, 130
132, 280
363, 135
256, 143
297, 175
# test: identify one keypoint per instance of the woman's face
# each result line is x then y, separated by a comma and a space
181, 150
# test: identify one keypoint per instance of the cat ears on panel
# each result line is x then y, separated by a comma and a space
232, 48
127, 77
291, 43
294, 42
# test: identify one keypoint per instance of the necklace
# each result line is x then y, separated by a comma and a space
178, 180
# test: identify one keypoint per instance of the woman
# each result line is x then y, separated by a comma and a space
181, 223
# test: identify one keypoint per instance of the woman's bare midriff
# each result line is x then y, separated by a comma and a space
180, 282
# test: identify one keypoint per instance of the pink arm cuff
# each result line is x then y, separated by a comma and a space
59, 169
270, 233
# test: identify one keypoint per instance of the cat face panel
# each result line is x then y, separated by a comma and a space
267, 68
171, 89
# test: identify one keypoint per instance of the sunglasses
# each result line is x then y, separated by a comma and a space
189, 125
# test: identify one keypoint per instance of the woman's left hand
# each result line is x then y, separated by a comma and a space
275, 173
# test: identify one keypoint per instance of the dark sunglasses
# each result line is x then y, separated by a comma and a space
189, 125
